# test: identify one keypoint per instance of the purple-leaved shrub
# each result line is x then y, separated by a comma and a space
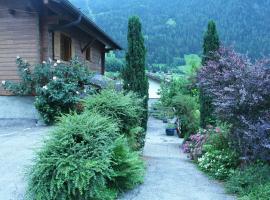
240, 91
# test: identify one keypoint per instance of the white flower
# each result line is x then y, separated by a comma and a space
18, 57
55, 64
84, 90
45, 87
77, 92
50, 60
58, 61
3, 82
54, 78
25, 69
44, 62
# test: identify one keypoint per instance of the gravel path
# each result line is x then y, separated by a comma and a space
16, 152
170, 175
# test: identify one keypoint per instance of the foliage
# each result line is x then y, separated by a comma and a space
75, 161
134, 75
127, 165
113, 64
186, 108
261, 192
218, 158
62, 92
126, 109
194, 145
85, 158
218, 137
218, 163
211, 138
170, 89
244, 181
25, 86
240, 92
158, 68
113, 75
193, 63
171, 126
55, 99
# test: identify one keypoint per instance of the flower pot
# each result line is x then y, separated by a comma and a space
170, 131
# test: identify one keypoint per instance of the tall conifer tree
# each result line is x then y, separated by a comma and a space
134, 74
211, 44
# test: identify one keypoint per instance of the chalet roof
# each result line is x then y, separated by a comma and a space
93, 28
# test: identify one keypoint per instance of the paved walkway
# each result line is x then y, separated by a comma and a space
170, 175
16, 152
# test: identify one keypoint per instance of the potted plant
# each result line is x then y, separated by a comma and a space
171, 129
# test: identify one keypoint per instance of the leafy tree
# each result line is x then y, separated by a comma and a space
133, 74
210, 46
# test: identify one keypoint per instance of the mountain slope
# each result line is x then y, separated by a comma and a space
173, 28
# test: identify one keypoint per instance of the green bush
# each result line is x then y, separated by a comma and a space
243, 181
187, 110
56, 98
174, 87
57, 85
113, 64
218, 163
126, 109
261, 192
127, 165
218, 137
75, 163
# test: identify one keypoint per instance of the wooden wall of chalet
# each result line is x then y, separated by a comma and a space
19, 36
78, 43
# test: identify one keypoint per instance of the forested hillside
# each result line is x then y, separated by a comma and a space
173, 28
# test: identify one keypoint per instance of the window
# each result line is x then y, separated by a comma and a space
65, 48
88, 54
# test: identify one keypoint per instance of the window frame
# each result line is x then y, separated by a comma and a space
88, 54
65, 47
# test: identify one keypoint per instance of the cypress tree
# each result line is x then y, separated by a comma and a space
134, 74
210, 42
210, 46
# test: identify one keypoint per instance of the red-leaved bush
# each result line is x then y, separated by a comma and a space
240, 92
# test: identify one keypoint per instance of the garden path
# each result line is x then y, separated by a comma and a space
170, 174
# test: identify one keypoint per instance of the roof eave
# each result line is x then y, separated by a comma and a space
108, 40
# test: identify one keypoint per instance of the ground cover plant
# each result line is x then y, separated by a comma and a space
244, 181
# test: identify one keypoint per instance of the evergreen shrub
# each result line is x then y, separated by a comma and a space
75, 162
125, 109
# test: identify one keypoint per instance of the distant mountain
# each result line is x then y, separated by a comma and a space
173, 28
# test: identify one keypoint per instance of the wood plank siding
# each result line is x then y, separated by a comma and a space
19, 36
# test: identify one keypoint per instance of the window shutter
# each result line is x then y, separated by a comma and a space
57, 47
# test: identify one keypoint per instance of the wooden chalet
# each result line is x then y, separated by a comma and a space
37, 30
